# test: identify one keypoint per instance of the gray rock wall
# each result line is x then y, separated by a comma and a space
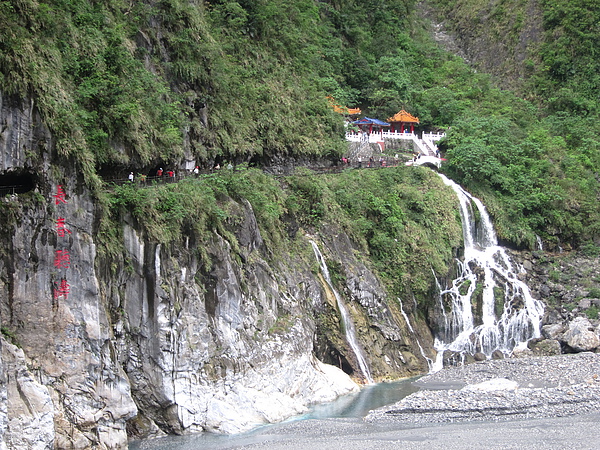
64, 388
153, 339
569, 284
230, 346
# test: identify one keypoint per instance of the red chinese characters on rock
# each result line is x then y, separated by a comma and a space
61, 227
61, 289
60, 196
62, 258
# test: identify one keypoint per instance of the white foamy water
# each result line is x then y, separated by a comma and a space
509, 316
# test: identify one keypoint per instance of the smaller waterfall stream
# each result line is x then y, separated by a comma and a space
346, 319
430, 363
509, 316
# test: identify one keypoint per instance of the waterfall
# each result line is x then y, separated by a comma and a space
540, 243
345, 315
430, 362
509, 315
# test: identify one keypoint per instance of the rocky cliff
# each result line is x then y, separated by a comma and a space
499, 38
569, 284
156, 337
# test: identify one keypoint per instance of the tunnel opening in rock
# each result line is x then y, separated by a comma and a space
327, 353
17, 182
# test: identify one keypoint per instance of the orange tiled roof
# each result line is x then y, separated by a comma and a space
403, 116
342, 109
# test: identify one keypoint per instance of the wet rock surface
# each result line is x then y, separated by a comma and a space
533, 387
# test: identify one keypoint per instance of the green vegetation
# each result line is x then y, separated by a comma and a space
592, 313
594, 293
463, 289
406, 220
9, 335
533, 162
402, 220
132, 85
498, 301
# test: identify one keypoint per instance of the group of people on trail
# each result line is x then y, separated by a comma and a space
371, 163
169, 175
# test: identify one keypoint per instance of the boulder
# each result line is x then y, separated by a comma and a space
497, 354
584, 303
553, 331
546, 347
521, 352
581, 336
479, 357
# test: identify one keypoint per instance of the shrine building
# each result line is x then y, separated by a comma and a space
402, 121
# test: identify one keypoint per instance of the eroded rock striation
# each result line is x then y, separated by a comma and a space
155, 338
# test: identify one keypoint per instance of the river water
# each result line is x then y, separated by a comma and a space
351, 406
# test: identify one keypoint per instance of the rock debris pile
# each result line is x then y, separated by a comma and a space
534, 387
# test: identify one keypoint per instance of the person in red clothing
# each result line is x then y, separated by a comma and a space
159, 172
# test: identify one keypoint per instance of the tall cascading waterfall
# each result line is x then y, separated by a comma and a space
509, 314
347, 322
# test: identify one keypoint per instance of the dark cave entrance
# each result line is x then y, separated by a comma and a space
327, 353
17, 182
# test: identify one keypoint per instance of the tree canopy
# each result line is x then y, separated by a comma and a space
136, 84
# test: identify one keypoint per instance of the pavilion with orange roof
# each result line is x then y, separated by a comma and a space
342, 109
400, 119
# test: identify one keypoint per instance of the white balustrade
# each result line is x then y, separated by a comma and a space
426, 145
434, 136
377, 137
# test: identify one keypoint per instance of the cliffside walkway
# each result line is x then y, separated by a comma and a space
149, 181
185, 174
426, 146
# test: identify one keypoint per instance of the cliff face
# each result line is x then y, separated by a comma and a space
496, 38
156, 338
63, 385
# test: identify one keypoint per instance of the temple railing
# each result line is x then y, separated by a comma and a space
380, 136
434, 136
426, 144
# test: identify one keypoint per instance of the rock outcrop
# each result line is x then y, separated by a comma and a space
569, 284
153, 338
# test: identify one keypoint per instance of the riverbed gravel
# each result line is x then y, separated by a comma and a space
520, 388
545, 403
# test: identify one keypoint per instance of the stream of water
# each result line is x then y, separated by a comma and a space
509, 316
347, 322
351, 406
